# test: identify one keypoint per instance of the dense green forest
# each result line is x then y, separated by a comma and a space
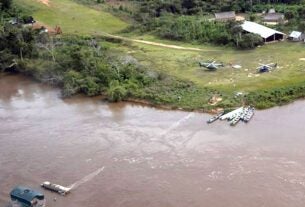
157, 7
188, 20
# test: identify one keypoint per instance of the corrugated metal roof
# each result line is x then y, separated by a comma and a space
225, 15
261, 30
295, 34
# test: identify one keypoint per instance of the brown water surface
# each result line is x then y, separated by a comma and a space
134, 156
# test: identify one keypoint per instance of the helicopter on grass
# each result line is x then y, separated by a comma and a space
263, 68
211, 65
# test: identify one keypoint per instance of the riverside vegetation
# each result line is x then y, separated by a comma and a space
90, 64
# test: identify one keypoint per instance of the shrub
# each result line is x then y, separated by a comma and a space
116, 92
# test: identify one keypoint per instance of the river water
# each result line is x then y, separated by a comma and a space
134, 156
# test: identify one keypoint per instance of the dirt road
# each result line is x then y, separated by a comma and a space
156, 43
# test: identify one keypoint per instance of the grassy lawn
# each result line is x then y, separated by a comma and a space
184, 64
73, 18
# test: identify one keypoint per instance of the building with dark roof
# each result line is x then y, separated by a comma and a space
225, 16
274, 18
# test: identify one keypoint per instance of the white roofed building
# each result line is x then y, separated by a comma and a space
268, 34
296, 36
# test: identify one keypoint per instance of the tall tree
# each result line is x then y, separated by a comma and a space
5, 4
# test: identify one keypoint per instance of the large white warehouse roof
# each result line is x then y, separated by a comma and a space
261, 30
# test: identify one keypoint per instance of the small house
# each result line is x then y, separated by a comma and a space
296, 36
274, 18
267, 34
225, 16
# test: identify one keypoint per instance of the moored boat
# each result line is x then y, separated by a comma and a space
214, 118
56, 188
235, 120
249, 115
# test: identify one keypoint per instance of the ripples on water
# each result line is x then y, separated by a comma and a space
127, 155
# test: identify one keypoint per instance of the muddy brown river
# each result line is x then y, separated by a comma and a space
133, 156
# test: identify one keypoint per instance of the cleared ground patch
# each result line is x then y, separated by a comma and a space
46, 2
73, 18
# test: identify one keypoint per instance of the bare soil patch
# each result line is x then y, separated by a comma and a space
45, 2
38, 25
214, 100
157, 44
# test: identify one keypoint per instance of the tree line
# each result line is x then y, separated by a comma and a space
155, 8
201, 30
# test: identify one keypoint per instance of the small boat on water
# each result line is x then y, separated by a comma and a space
26, 197
56, 188
249, 115
232, 114
214, 118
236, 119
245, 113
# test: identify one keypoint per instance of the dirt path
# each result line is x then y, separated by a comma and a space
157, 44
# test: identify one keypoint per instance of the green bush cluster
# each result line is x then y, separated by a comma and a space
83, 65
273, 97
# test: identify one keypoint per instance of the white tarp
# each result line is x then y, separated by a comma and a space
261, 30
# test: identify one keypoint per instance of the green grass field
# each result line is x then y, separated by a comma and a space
79, 19
184, 64
73, 18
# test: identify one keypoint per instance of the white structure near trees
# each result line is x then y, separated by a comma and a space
296, 36
267, 34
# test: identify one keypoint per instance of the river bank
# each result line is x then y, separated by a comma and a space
203, 103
